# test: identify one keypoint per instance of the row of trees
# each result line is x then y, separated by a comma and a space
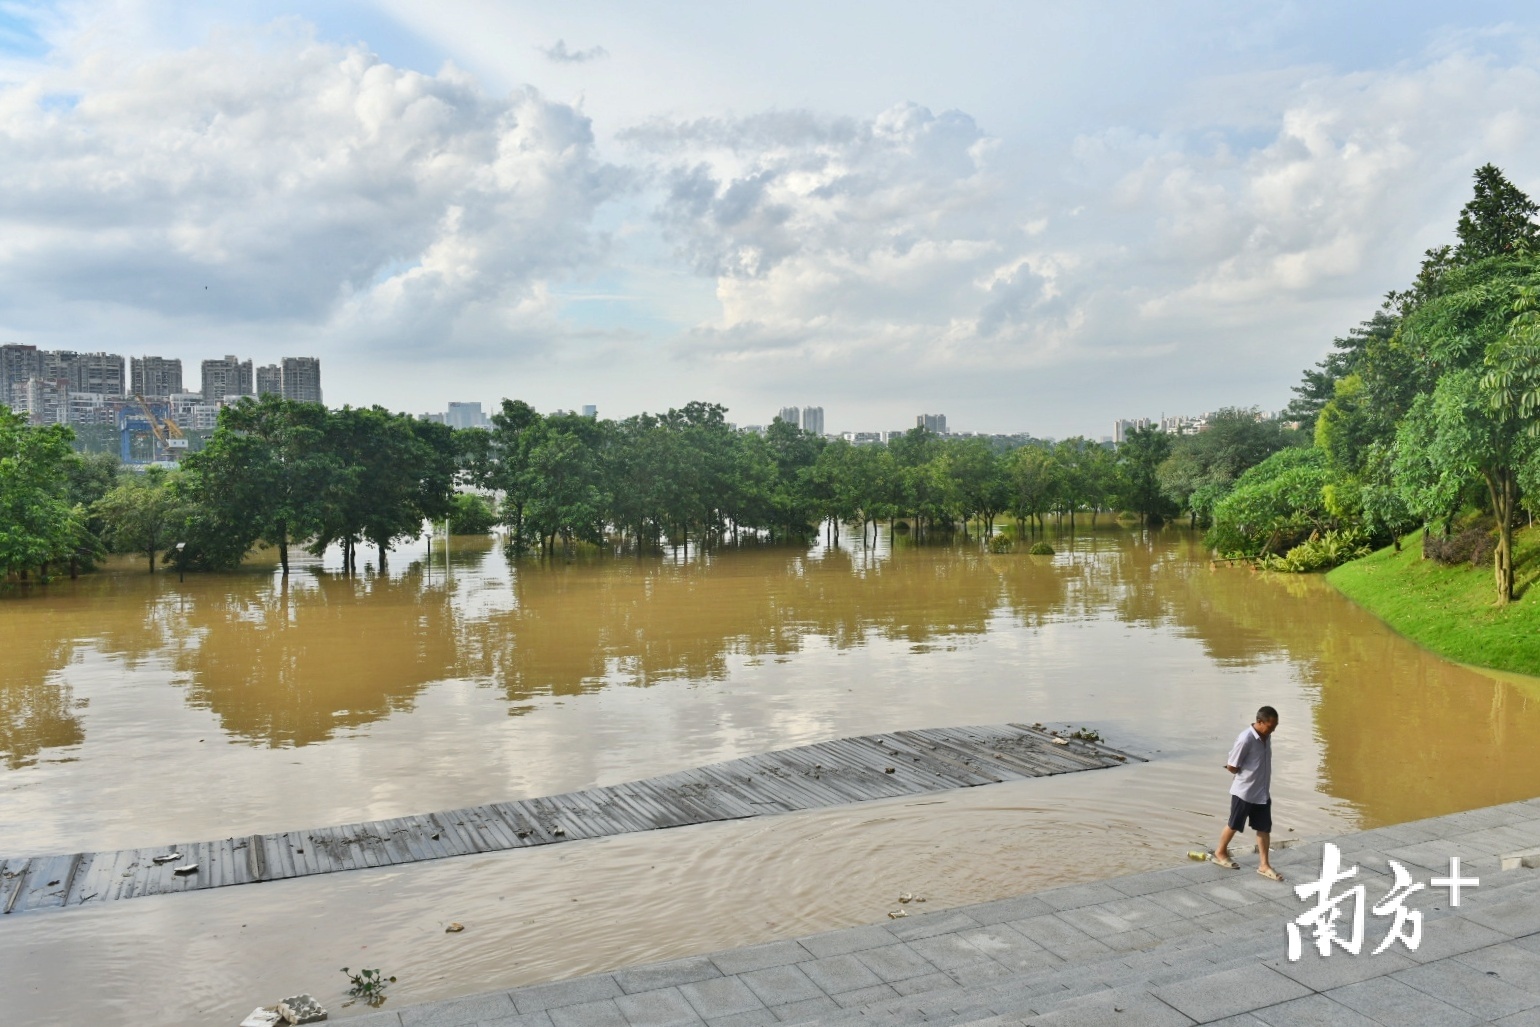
687, 475
276, 472
1428, 409
294, 474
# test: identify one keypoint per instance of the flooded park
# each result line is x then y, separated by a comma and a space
135, 709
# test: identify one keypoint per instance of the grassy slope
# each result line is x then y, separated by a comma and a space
1450, 610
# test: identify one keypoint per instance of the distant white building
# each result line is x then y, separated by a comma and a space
590, 411
931, 423
812, 420
1121, 429
791, 415
465, 415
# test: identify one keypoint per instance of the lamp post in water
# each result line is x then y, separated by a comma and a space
181, 567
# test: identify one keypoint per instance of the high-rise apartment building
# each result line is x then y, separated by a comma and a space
302, 379
85, 372
269, 380
812, 420
591, 410
226, 377
931, 423
791, 415
154, 377
17, 364
1122, 428
42, 400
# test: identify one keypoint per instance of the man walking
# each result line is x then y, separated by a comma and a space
1251, 761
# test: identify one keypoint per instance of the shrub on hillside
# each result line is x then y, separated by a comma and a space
1474, 546
1321, 552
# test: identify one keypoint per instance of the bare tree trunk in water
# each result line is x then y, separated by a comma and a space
383, 550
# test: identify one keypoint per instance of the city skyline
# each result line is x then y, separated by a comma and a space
762, 203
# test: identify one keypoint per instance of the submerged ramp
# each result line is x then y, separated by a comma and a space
814, 776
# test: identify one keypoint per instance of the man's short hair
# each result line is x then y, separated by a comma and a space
1266, 714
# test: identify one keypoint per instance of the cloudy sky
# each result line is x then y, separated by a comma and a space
1028, 216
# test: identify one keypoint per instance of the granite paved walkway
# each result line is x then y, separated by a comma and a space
1191, 944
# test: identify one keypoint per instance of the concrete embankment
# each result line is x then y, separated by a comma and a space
1194, 943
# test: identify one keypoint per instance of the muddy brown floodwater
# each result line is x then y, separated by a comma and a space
136, 709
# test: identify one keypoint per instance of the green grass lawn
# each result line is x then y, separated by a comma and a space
1451, 610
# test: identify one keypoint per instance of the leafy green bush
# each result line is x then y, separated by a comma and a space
1321, 552
1041, 549
472, 515
1001, 543
1278, 500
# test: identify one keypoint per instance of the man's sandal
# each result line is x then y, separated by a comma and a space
1270, 874
1224, 861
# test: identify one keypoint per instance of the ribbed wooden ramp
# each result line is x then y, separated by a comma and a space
808, 777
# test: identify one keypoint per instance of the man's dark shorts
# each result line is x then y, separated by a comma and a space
1259, 813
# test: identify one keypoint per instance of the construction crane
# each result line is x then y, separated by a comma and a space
173, 443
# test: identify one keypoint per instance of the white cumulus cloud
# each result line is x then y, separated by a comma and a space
273, 179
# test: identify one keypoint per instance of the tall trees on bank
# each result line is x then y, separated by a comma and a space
1433, 405
39, 525
288, 474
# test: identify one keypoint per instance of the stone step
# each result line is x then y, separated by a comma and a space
1176, 961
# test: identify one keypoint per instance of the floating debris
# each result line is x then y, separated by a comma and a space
301, 1009
906, 898
167, 858
889, 770
894, 914
263, 1016
185, 869
1060, 741
454, 928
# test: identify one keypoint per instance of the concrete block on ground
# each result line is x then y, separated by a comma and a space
1060, 937
753, 1018
665, 1007
720, 996
1010, 948
1450, 936
929, 925
1313, 1011
666, 975
835, 975
896, 962
849, 939
1519, 860
538, 997
758, 957
924, 983
1076, 895
1510, 962
457, 1011
865, 996
1008, 909
1389, 1001
780, 985
1229, 992
603, 1013
1115, 1008
1515, 916
1468, 988
1324, 973
796, 1012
